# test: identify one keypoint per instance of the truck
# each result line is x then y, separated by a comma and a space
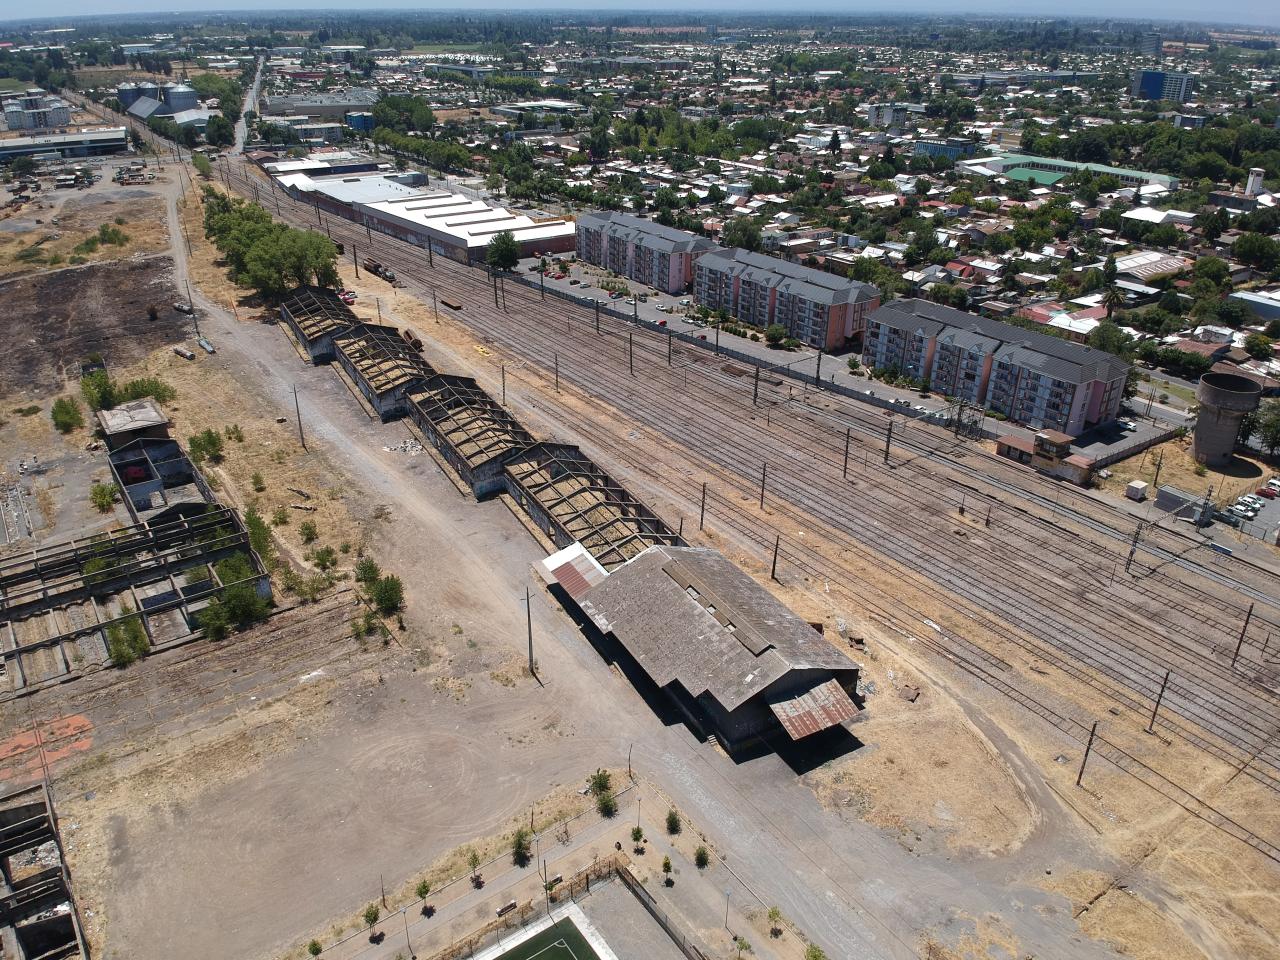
378, 270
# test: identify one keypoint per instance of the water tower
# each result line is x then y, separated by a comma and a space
1225, 399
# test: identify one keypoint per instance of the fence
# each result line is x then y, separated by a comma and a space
1137, 446
687, 947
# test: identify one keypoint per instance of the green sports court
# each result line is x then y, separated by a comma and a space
560, 941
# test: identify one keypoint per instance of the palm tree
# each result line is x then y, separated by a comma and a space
1111, 299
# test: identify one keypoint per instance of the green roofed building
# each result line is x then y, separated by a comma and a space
1046, 171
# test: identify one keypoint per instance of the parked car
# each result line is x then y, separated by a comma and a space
574, 281
183, 307
1268, 493
1253, 501
685, 303
1243, 511
1228, 518
662, 323
1274, 484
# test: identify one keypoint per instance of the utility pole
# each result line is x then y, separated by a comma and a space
298, 412
1164, 683
764, 474
354, 262
597, 316
755, 387
1133, 547
1243, 630
631, 353
1085, 759
817, 376
528, 618
844, 472
430, 260
717, 339
504, 384
494, 277
542, 285
1155, 482
670, 337
556, 357
888, 439
773, 573
702, 511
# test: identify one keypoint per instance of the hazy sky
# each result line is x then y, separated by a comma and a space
1265, 12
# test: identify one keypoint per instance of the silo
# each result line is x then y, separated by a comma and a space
149, 89
180, 97
128, 94
1254, 185
1225, 399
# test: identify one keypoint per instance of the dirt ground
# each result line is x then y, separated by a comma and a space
1178, 468
52, 322
27, 246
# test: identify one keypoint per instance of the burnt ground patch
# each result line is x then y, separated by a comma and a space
52, 322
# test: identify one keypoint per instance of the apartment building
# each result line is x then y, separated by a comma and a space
36, 110
1162, 85
641, 250
817, 308
1029, 377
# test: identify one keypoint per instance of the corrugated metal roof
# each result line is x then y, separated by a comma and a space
818, 708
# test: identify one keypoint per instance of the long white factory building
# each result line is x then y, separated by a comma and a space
455, 225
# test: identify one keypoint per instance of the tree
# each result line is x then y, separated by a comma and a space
701, 858
22, 166
206, 445
371, 914
103, 496
775, 922
600, 781
1112, 299
673, 822
202, 165
66, 415
473, 861
220, 132
1269, 425
422, 889
742, 232
1259, 346
1109, 271
502, 253
387, 594
666, 869
366, 570
520, 855
814, 952
1213, 269
774, 334
743, 945
834, 145
314, 948
606, 804
1257, 251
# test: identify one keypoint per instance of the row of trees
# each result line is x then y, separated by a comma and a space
438, 154
265, 256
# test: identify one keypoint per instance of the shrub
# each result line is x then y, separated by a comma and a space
387, 594
422, 889
206, 445
673, 822
234, 432
280, 517
701, 858
259, 484
308, 531
814, 952
259, 534
103, 496
774, 334
239, 604
606, 803
326, 558
366, 570
314, 948
666, 866
371, 914
127, 639
601, 780
637, 834
97, 390
520, 855
66, 415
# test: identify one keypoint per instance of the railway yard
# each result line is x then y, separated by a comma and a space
1104, 687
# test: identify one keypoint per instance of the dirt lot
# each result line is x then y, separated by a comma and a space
1178, 468
53, 321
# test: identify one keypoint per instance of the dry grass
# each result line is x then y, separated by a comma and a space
79, 218
1179, 469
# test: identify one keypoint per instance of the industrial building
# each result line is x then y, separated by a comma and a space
639, 249
316, 315
451, 224
383, 365
953, 148
327, 105
1162, 85
820, 309
35, 110
894, 114
83, 143
736, 661
1029, 377
38, 915
171, 101
1046, 171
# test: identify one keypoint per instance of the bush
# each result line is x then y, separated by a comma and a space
422, 889
280, 517
314, 948
259, 484
371, 914
637, 834
259, 534
774, 334
606, 803
366, 570
701, 858
308, 531
234, 432
520, 855
239, 605
127, 640
814, 952
387, 594
326, 558
66, 415
206, 445
673, 822
103, 496
601, 780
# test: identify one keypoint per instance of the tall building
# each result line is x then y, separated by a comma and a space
36, 110
1151, 44
640, 249
1031, 378
817, 308
1160, 85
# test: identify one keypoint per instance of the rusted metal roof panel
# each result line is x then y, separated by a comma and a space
819, 708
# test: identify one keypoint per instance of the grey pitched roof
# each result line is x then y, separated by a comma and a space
144, 107
1054, 357
647, 233
688, 614
793, 278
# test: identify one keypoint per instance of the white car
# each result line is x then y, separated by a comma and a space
1243, 511
1253, 500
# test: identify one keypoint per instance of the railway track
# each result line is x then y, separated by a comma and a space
1245, 722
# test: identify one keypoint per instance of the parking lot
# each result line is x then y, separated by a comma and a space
1265, 523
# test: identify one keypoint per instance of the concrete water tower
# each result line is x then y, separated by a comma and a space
1225, 399
1254, 186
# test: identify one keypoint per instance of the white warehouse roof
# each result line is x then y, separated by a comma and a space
456, 219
